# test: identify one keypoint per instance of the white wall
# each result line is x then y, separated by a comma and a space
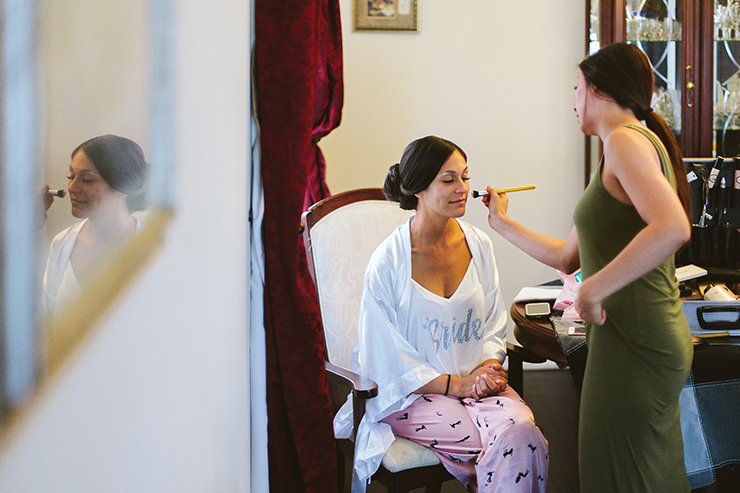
93, 82
158, 399
496, 77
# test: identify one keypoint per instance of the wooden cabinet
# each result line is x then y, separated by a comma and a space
694, 47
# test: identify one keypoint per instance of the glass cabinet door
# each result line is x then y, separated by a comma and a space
594, 27
676, 36
655, 27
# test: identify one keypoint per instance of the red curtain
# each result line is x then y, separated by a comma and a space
299, 94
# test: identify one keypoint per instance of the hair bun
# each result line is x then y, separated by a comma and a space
392, 185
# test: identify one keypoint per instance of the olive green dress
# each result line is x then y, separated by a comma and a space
638, 361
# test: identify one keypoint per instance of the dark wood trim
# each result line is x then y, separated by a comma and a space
321, 209
606, 22
329, 204
362, 387
692, 69
706, 81
587, 25
403, 481
619, 22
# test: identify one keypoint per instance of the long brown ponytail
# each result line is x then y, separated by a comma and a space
622, 72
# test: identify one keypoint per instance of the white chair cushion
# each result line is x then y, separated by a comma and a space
405, 454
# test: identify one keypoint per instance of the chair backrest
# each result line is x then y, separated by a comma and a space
340, 233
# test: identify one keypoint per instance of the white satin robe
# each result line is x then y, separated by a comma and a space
383, 352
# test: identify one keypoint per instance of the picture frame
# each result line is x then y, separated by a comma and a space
386, 15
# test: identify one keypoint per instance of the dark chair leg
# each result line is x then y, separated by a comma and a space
433, 488
398, 484
516, 373
340, 471
392, 487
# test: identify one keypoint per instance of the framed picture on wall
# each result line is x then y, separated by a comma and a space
386, 15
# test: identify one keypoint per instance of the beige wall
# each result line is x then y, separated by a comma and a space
93, 81
158, 399
496, 78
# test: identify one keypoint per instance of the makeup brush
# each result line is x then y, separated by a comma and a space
477, 194
57, 193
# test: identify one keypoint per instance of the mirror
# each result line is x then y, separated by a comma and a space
74, 70
92, 81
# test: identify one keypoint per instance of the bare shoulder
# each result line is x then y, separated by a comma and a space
628, 149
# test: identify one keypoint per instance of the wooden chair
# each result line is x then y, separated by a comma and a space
340, 233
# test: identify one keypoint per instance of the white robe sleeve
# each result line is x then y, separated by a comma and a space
384, 353
56, 288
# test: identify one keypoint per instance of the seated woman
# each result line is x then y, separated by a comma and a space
431, 334
104, 171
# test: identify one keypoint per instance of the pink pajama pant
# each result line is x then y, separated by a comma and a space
491, 445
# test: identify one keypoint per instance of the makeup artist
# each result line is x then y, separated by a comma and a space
629, 223
104, 172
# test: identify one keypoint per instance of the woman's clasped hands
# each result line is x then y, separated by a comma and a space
489, 379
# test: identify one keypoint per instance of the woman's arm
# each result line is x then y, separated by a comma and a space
487, 379
559, 254
633, 175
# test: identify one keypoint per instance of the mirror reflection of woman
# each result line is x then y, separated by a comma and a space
104, 172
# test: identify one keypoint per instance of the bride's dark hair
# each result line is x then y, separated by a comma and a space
420, 163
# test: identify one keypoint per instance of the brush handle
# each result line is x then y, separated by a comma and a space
713, 334
515, 189
477, 194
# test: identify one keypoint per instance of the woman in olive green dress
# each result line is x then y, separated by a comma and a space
629, 223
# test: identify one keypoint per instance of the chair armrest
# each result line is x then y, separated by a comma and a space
362, 388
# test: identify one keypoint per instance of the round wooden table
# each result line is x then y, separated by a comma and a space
536, 335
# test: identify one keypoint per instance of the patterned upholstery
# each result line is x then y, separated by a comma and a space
342, 242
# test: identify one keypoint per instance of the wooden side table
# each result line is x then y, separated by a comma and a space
536, 335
